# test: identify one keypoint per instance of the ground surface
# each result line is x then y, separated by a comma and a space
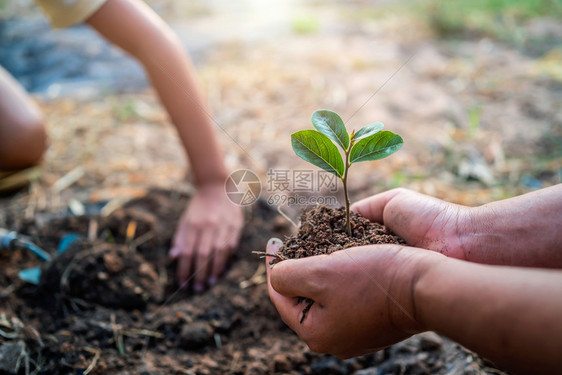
480, 113
108, 305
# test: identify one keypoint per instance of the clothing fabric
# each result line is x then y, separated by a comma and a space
65, 13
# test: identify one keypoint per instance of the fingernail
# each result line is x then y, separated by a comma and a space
174, 252
198, 287
213, 281
183, 283
273, 245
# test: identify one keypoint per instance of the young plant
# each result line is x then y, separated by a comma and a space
368, 143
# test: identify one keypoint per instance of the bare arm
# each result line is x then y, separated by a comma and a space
210, 226
509, 315
134, 27
524, 230
520, 231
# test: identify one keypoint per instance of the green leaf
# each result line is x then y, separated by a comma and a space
317, 149
331, 124
368, 130
377, 146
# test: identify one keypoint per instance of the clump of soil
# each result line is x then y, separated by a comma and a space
110, 275
322, 231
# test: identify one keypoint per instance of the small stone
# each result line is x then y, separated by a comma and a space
256, 369
239, 302
430, 341
255, 353
281, 363
367, 371
328, 365
196, 335
112, 262
147, 270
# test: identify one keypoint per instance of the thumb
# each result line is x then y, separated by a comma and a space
373, 207
299, 277
272, 247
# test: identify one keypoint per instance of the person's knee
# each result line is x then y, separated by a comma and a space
23, 142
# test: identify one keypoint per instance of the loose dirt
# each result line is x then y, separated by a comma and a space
323, 231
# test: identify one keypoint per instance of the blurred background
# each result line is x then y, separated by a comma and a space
474, 88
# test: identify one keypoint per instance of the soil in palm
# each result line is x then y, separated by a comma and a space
323, 231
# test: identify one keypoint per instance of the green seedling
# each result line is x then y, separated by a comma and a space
317, 146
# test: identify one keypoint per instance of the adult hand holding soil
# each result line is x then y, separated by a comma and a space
207, 236
370, 297
362, 297
520, 231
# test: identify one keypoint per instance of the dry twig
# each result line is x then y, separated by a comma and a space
257, 278
94, 362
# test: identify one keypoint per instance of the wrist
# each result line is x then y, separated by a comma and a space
424, 280
214, 180
404, 306
482, 235
469, 232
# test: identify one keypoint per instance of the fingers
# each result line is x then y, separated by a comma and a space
184, 246
288, 308
223, 250
203, 254
207, 236
185, 263
272, 247
373, 207
298, 278
234, 237
203, 259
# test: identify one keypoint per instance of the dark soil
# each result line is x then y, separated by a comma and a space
323, 231
109, 305
109, 275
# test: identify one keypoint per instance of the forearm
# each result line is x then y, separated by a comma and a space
134, 27
183, 100
509, 315
520, 231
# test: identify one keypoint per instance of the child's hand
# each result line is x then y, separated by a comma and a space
207, 236
363, 296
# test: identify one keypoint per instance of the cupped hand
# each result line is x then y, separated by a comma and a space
206, 236
363, 296
421, 220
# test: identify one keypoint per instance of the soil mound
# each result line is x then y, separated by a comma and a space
110, 275
322, 231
